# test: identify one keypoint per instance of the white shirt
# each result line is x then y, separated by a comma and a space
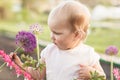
64, 64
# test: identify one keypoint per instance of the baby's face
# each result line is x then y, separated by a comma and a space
62, 36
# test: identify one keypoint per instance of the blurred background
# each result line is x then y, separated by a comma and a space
16, 15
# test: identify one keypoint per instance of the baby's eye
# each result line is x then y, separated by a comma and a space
57, 33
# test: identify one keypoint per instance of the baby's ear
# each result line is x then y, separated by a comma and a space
78, 35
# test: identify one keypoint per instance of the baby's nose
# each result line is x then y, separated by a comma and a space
52, 37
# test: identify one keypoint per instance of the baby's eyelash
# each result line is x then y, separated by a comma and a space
57, 33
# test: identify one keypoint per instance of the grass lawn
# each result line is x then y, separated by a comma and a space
99, 38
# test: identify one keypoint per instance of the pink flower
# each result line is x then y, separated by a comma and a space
27, 75
18, 72
10, 63
116, 73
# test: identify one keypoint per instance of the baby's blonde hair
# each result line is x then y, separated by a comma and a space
73, 12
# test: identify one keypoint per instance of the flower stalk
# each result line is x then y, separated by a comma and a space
111, 50
36, 29
17, 49
111, 68
38, 50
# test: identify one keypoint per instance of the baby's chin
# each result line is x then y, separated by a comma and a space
64, 48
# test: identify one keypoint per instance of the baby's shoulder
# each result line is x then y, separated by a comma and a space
50, 47
48, 50
86, 47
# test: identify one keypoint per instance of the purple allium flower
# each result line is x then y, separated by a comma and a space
111, 50
36, 28
27, 40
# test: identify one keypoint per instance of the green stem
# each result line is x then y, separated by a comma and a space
2, 65
38, 56
111, 67
17, 49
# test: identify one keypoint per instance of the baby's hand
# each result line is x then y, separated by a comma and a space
84, 72
16, 59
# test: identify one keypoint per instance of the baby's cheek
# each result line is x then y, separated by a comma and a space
60, 40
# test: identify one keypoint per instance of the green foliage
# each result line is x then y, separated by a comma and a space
101, 38
40, 65
95, 76
29, 61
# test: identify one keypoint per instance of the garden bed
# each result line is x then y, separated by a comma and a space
106, 66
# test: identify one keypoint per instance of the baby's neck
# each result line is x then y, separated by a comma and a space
75, 44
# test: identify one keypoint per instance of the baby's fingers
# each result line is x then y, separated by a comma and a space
12, 55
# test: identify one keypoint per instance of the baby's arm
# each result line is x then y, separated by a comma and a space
84, 72
36, 74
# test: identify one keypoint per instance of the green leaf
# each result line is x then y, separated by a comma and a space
95, 76
29, 61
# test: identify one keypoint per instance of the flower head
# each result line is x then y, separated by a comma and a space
111, 50
36, 28
27, 40
116, 73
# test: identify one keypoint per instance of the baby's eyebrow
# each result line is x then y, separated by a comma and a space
54, 31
